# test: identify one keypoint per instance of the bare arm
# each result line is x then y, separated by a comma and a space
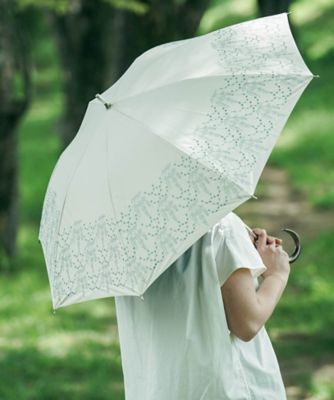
246, 309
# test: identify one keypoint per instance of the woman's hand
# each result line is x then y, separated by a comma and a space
274, 257
270, 239
246, 308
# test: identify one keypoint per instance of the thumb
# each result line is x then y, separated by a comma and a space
262, 238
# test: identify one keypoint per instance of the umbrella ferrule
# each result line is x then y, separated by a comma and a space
106, 104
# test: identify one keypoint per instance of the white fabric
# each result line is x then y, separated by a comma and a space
175, 343
190, 129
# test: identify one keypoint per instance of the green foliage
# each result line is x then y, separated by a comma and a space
135, 6
60, 6
306, 148
74, 354
64, 6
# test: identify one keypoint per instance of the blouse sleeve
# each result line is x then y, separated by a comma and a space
235, 249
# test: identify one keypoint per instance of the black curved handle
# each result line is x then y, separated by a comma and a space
295, 254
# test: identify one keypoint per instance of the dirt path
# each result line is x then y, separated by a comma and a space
279, 207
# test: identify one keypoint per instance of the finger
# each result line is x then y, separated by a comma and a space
270, 239
273, 239
278, 241
262, 238
257, 230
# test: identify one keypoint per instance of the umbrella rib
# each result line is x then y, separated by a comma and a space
111, 197
185, 42
206, 77
107, 175
230, 179
70, 181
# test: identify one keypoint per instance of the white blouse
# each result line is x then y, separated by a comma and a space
176, 345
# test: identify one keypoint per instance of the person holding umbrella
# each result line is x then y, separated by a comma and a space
131, 211
199, 333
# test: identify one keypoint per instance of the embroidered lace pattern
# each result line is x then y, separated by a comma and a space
124, 250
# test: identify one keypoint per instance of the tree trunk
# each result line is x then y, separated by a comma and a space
97, 43
166, 21
84, 39
14, 68
270, 7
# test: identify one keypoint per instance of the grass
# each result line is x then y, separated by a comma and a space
74, 353
306, 149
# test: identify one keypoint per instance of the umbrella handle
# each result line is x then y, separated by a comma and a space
295, 254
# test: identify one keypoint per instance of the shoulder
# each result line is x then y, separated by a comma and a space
230, 228
227, 226
231, 221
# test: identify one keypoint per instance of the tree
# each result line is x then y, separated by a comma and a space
270, 7
15, 95
165, 21
85, 39
98, 41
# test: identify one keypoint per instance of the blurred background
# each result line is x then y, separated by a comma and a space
55, 55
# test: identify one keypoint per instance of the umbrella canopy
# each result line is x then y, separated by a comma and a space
181, 141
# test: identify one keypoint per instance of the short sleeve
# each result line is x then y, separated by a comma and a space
234, 249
